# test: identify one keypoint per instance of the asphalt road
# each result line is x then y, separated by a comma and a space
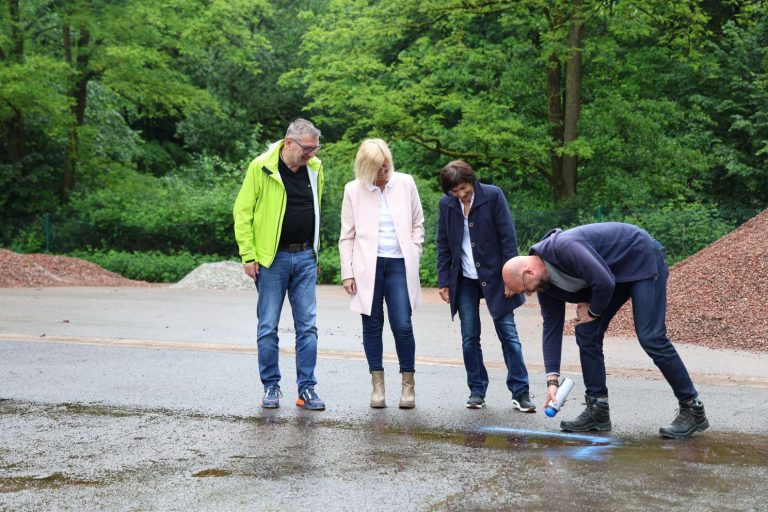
148, 399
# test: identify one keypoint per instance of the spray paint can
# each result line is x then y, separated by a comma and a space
562, 394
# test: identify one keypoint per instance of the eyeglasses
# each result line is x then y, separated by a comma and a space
307, 149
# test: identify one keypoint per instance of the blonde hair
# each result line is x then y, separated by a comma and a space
373, 153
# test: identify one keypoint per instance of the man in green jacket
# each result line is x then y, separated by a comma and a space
277, 227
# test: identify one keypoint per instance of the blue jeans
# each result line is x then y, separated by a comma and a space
649, 308
390, 285
468, 296
296, 273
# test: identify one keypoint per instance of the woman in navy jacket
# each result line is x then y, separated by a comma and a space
475, 237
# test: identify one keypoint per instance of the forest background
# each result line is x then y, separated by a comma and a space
126, 126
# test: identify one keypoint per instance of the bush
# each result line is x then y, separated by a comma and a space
329, 266
153, 267
146, 214
682, 231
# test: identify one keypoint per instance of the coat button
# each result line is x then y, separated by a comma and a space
477, 265
483, 283
471, 224
473, 244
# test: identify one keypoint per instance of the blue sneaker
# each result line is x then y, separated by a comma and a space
308, 399
271, 398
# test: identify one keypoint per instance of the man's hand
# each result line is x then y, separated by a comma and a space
445, 294
252, 269
551, 396
582, 314
349, 286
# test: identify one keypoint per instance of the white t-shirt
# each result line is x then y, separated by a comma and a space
389, 247
468, 268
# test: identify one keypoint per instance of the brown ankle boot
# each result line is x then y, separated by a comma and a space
377, 394
408, 394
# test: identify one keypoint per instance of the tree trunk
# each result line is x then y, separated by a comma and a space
555, 116
17, 32
14, 126
572, 100
78, 92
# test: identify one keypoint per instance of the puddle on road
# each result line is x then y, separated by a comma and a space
88, 450
52, 481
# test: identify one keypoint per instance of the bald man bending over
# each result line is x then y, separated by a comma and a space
599, 267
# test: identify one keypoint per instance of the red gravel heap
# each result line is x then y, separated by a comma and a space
718, 297
42, 270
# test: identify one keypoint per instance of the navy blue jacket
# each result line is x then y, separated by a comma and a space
492, 233
602, 255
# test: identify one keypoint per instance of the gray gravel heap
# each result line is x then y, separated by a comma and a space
223, 275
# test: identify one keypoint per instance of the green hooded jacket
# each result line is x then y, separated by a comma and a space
260, 206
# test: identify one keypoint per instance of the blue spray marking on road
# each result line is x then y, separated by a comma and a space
597, 449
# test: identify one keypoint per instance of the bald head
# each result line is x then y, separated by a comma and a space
524, 274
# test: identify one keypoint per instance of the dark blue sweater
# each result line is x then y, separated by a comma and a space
602, 255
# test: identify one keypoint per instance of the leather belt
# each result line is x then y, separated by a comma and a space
295, 247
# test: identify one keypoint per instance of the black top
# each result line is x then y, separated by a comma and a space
299, 220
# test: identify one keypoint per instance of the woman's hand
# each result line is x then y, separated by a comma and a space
349, 286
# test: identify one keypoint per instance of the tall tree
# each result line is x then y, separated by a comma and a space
498, 82
130, 47
32, 105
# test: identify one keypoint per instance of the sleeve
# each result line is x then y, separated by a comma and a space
594, 271
444, 253
505, 227
417, 218
347, 236
243, 213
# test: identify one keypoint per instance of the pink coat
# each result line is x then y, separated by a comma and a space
359, 237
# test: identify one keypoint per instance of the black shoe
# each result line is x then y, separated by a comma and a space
475, 402
596, 416
690, 419
523, 403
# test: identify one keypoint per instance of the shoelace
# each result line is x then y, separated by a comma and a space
682, 416
273, 392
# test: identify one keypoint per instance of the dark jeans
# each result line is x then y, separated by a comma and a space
390, 286
649, 308
468, 296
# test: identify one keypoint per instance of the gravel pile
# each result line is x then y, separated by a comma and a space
44, 270
718, 297
224, 275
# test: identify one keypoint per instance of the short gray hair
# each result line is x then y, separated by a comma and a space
301, 127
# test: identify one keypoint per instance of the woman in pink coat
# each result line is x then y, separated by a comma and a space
382, 232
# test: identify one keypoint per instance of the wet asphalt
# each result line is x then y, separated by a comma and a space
148, 399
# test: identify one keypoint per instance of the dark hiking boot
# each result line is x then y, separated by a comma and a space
690, 419
596, 416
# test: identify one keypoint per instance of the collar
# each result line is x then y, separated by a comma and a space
373, 187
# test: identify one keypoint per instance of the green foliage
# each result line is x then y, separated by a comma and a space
152, 266
133, 212
329, 265
181, 94
435, 74
681, 231
734, 93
